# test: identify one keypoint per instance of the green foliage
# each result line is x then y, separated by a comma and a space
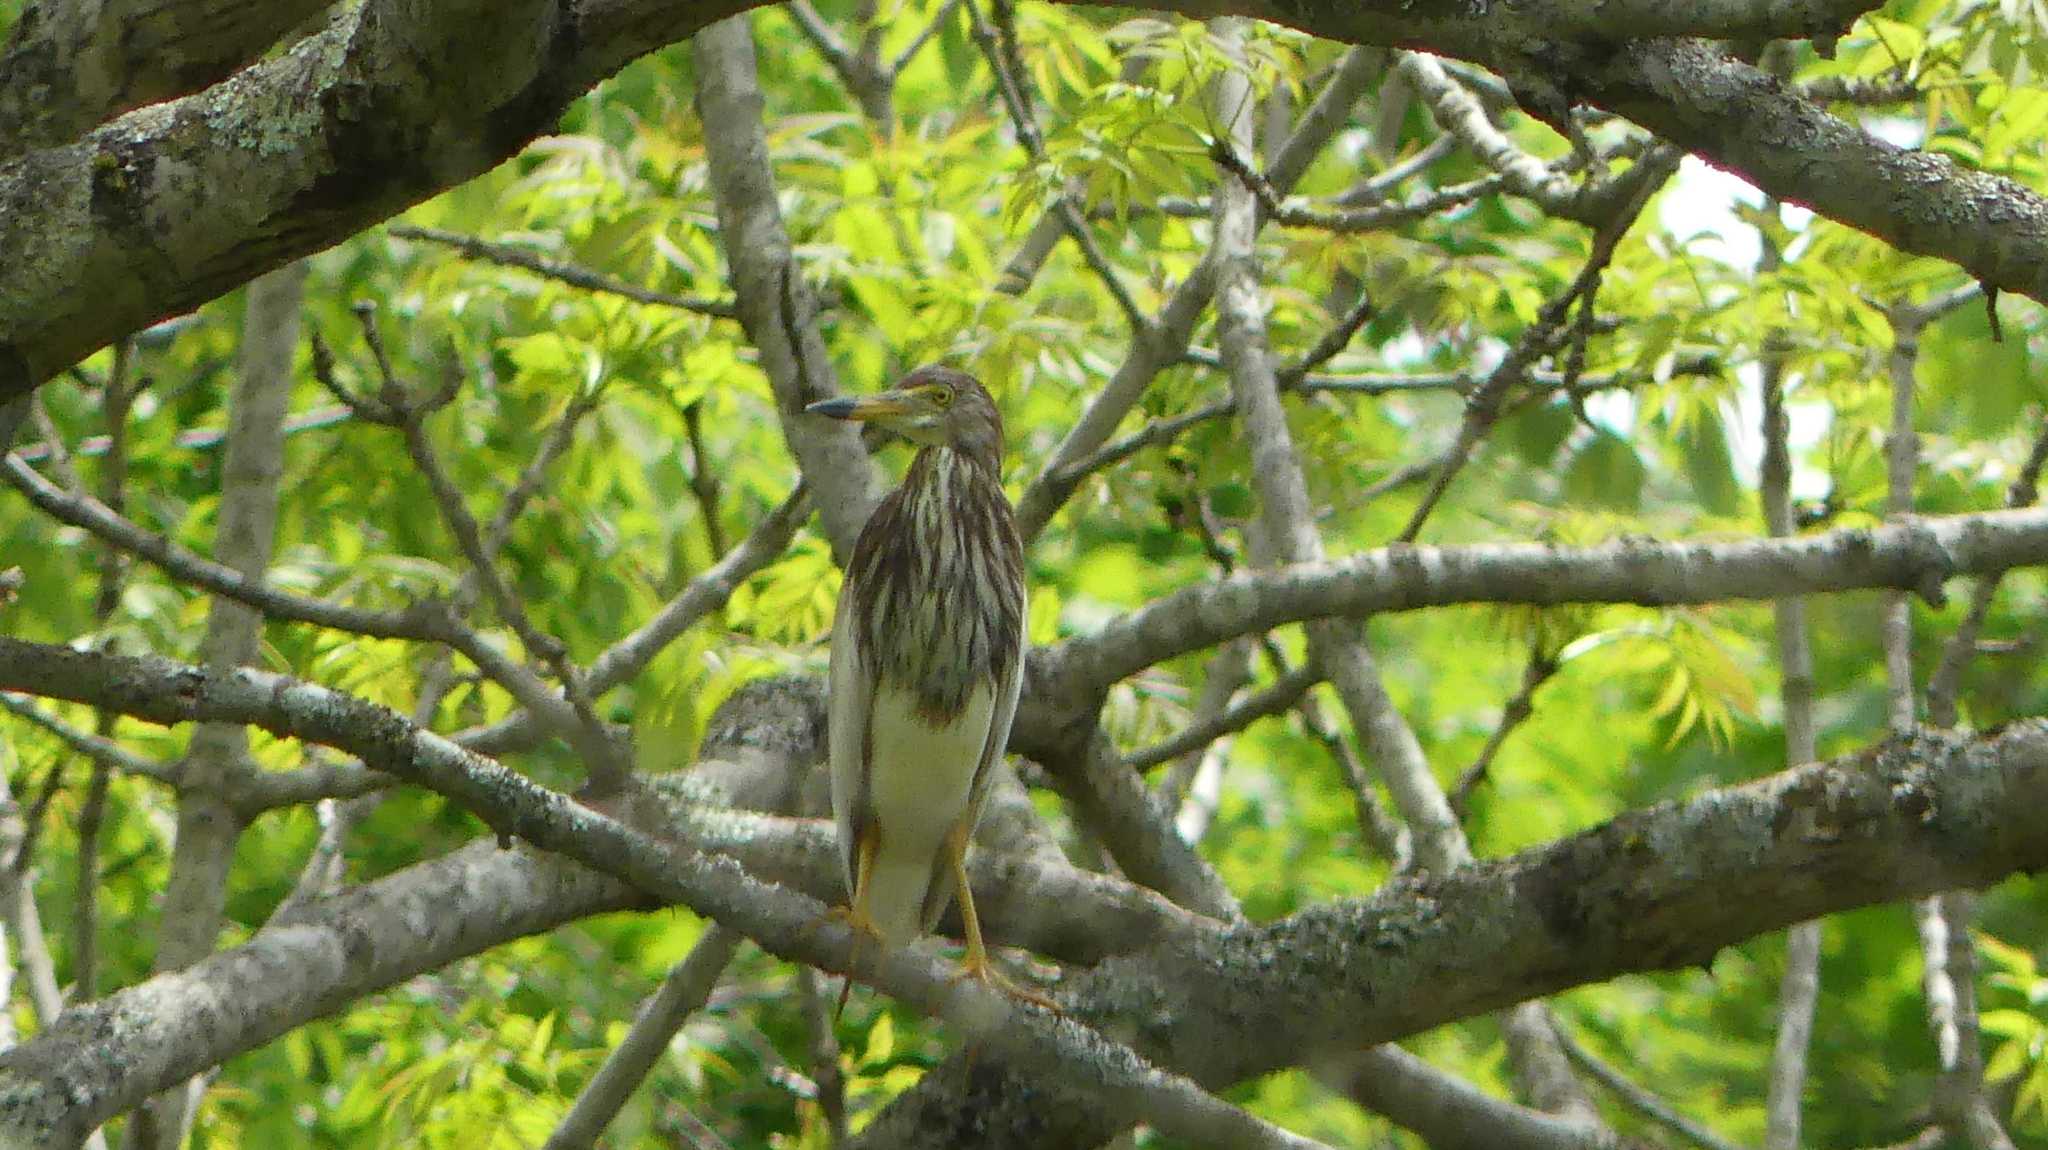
2015, 1021
903, 231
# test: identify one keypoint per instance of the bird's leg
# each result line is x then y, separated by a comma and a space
857, 917
976, 965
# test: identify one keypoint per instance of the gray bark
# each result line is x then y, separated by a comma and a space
1360, 972
1338, 647
774, 305
1654, 889
209, 823
69, 66
1918, 556
173, 204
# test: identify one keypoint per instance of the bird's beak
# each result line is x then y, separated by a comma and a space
878, 406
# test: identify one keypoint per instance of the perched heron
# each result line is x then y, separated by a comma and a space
927, 659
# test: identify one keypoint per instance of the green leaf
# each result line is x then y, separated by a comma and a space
1232, 500
1703, 445
1537, 432
881, 1040
1606, 472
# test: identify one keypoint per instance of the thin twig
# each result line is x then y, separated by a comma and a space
1165, 339
1484, 404
116, 400
822, 35
824, 1051
1151, 435
1387, 835
1294, 213
998, 42
704, 479
1541, 383
1374, 189
94, 747
1640, 1098
1332, 342
601, 755
688, 984
1541, 667
191, 439
705, 592
506, 255
1192, 786
924, 36
1276, 698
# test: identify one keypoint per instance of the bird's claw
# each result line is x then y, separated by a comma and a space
980, 969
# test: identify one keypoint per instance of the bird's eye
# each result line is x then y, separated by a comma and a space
942, 395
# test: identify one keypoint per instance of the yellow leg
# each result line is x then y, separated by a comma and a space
857, 917
976, 965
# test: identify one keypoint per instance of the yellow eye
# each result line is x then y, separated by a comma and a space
942, 394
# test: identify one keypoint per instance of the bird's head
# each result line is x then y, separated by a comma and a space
934, 406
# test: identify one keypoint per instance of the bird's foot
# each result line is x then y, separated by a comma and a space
856, 919
978, 967
853, 918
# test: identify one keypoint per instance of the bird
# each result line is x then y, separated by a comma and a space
926, 665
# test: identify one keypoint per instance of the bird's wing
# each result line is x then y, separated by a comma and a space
849, 707
1007, 690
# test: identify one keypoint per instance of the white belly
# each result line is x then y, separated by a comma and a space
919, 781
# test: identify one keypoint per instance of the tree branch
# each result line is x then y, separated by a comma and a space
509, 255
65, 72
1654, 889
209, 824
1642, 1100
1276, 698
1919, 555
1754, 125
688, 984
1166, 338
774, 306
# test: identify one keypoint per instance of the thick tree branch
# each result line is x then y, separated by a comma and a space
111, 1053
1755, 125
1919, 555
784, 922
1655, 889
71, 65
173, 204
